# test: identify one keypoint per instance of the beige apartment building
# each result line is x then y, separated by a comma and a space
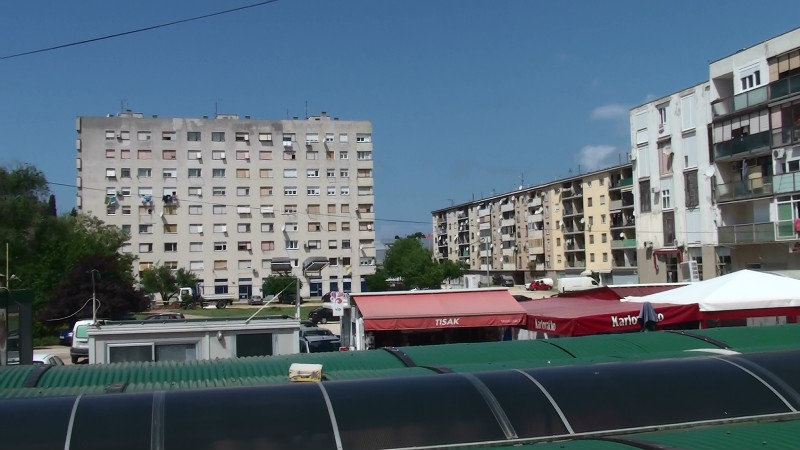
571, 227
235, 199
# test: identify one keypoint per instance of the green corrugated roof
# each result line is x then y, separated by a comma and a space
537, 352
626, 346
756, 339
14, 376
577, 444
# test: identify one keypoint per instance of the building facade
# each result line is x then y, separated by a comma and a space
225, 196
674, 209
755, 103
565, 228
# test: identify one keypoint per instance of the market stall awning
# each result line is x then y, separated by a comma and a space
582, 316
420, 310
620, 291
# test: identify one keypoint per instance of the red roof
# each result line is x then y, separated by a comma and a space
581, 316
421, 310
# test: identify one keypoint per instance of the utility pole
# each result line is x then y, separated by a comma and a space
7, 282
94, 298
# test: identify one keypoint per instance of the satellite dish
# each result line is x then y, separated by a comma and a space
709, 172
622, 235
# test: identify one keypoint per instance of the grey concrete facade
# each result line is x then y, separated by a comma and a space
223, 196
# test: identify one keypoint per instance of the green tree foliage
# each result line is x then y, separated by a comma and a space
377, 281
452, 270
112, 285
161, 279
407, 259
276, 283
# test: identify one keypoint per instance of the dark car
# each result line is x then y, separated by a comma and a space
65, 337
315, 331
322, 315
319, 344
166, 316
289, 298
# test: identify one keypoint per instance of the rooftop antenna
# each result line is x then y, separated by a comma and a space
521, 180
122, 106
216, 108
306, 109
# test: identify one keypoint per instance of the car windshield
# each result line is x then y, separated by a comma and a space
318, 332
323, 346
81, 333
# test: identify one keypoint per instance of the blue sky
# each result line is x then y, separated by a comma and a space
465, 97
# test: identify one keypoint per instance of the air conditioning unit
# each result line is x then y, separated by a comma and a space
223, 156
246, 137
779, 153
119, 136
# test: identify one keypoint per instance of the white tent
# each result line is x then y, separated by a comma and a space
745, 289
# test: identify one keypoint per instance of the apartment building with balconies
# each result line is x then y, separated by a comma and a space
755, 101
556, 229
673, 210
227, 198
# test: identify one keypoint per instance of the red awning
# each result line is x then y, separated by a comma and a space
618, 292
578, 317
439, 309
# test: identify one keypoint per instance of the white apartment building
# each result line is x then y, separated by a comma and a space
227, 197
674, 210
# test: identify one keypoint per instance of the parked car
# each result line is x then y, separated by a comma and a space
539, 285
46, 359
65, 337
255, 300
315, 331
166, 316
319, 344
576, 284
322, 314
289, 298
80, 341
508, 281
307, 323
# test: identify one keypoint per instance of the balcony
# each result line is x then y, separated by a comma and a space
535, 250
533, 218
615, 204
742, 146
483, 212
574, 248
575, 264
785, 136
623, 243
782, 88
749, 233
739, 102
573, 212
508, 222
622, 182
738, 190
788, 182
535, 201
507, 207
572, 193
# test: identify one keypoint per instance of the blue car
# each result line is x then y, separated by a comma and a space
65, 338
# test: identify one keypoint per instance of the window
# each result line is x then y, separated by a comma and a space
196, 265
331, 209
363, 137
345, 244
220, 264
217, 136
195, 191
253, 344
265, 173
603, 238
290, 226
169, 154
331, 173
144, 173
602, 199
314, 226
289, 155
290, 209
126, 210
328, 137
265, 154
344, 173
245, 264
194, 154
242, 191
558, 242
589, 201
242, 173
329, 154
331, 190
333, 245
218, 154
124, 135
291, 245
125, 172
243, 227
364, 173
364, 156
312, 173
242, 136
290, 190
170, 228
195, 210
111, 173
145, 248
218, 191
244, 246
312, 138
111, 153
218, 209
345, 190
126, 247
312, 209
144, 154
243, 155
265, 191
144, 265
289, 173
312, 190
345, 227
644, 196
267, 227
366, 261
220, 228
195, 246
345, 208
666, 193
344, 138
752, 80
346, 261
591, 239
167, 135
143, 135
267, 246
193, 136
365, 226
217, 173
196, 228
145, 191
170, 173
343, 155
110, 135
265, 138
194, 173
170, 246
220, 246
662, 116
331, 226
692, 194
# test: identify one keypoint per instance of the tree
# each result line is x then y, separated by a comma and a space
407, 259
277, 283
161, 279
377, 281
452, 270
114, 291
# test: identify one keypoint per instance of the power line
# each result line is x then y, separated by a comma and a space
140, 30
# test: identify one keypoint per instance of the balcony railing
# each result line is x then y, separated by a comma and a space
615, 204
623, 243
748, 233
788, 182
744, 189
753, 143
785, 135
741, 101
784, 87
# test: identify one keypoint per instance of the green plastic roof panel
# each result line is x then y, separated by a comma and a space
627, 346
755, 339
538, 352
14, 376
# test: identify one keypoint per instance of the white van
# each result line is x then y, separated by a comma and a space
576, 284
80, 341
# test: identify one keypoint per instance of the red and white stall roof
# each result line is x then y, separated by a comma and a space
421, 310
